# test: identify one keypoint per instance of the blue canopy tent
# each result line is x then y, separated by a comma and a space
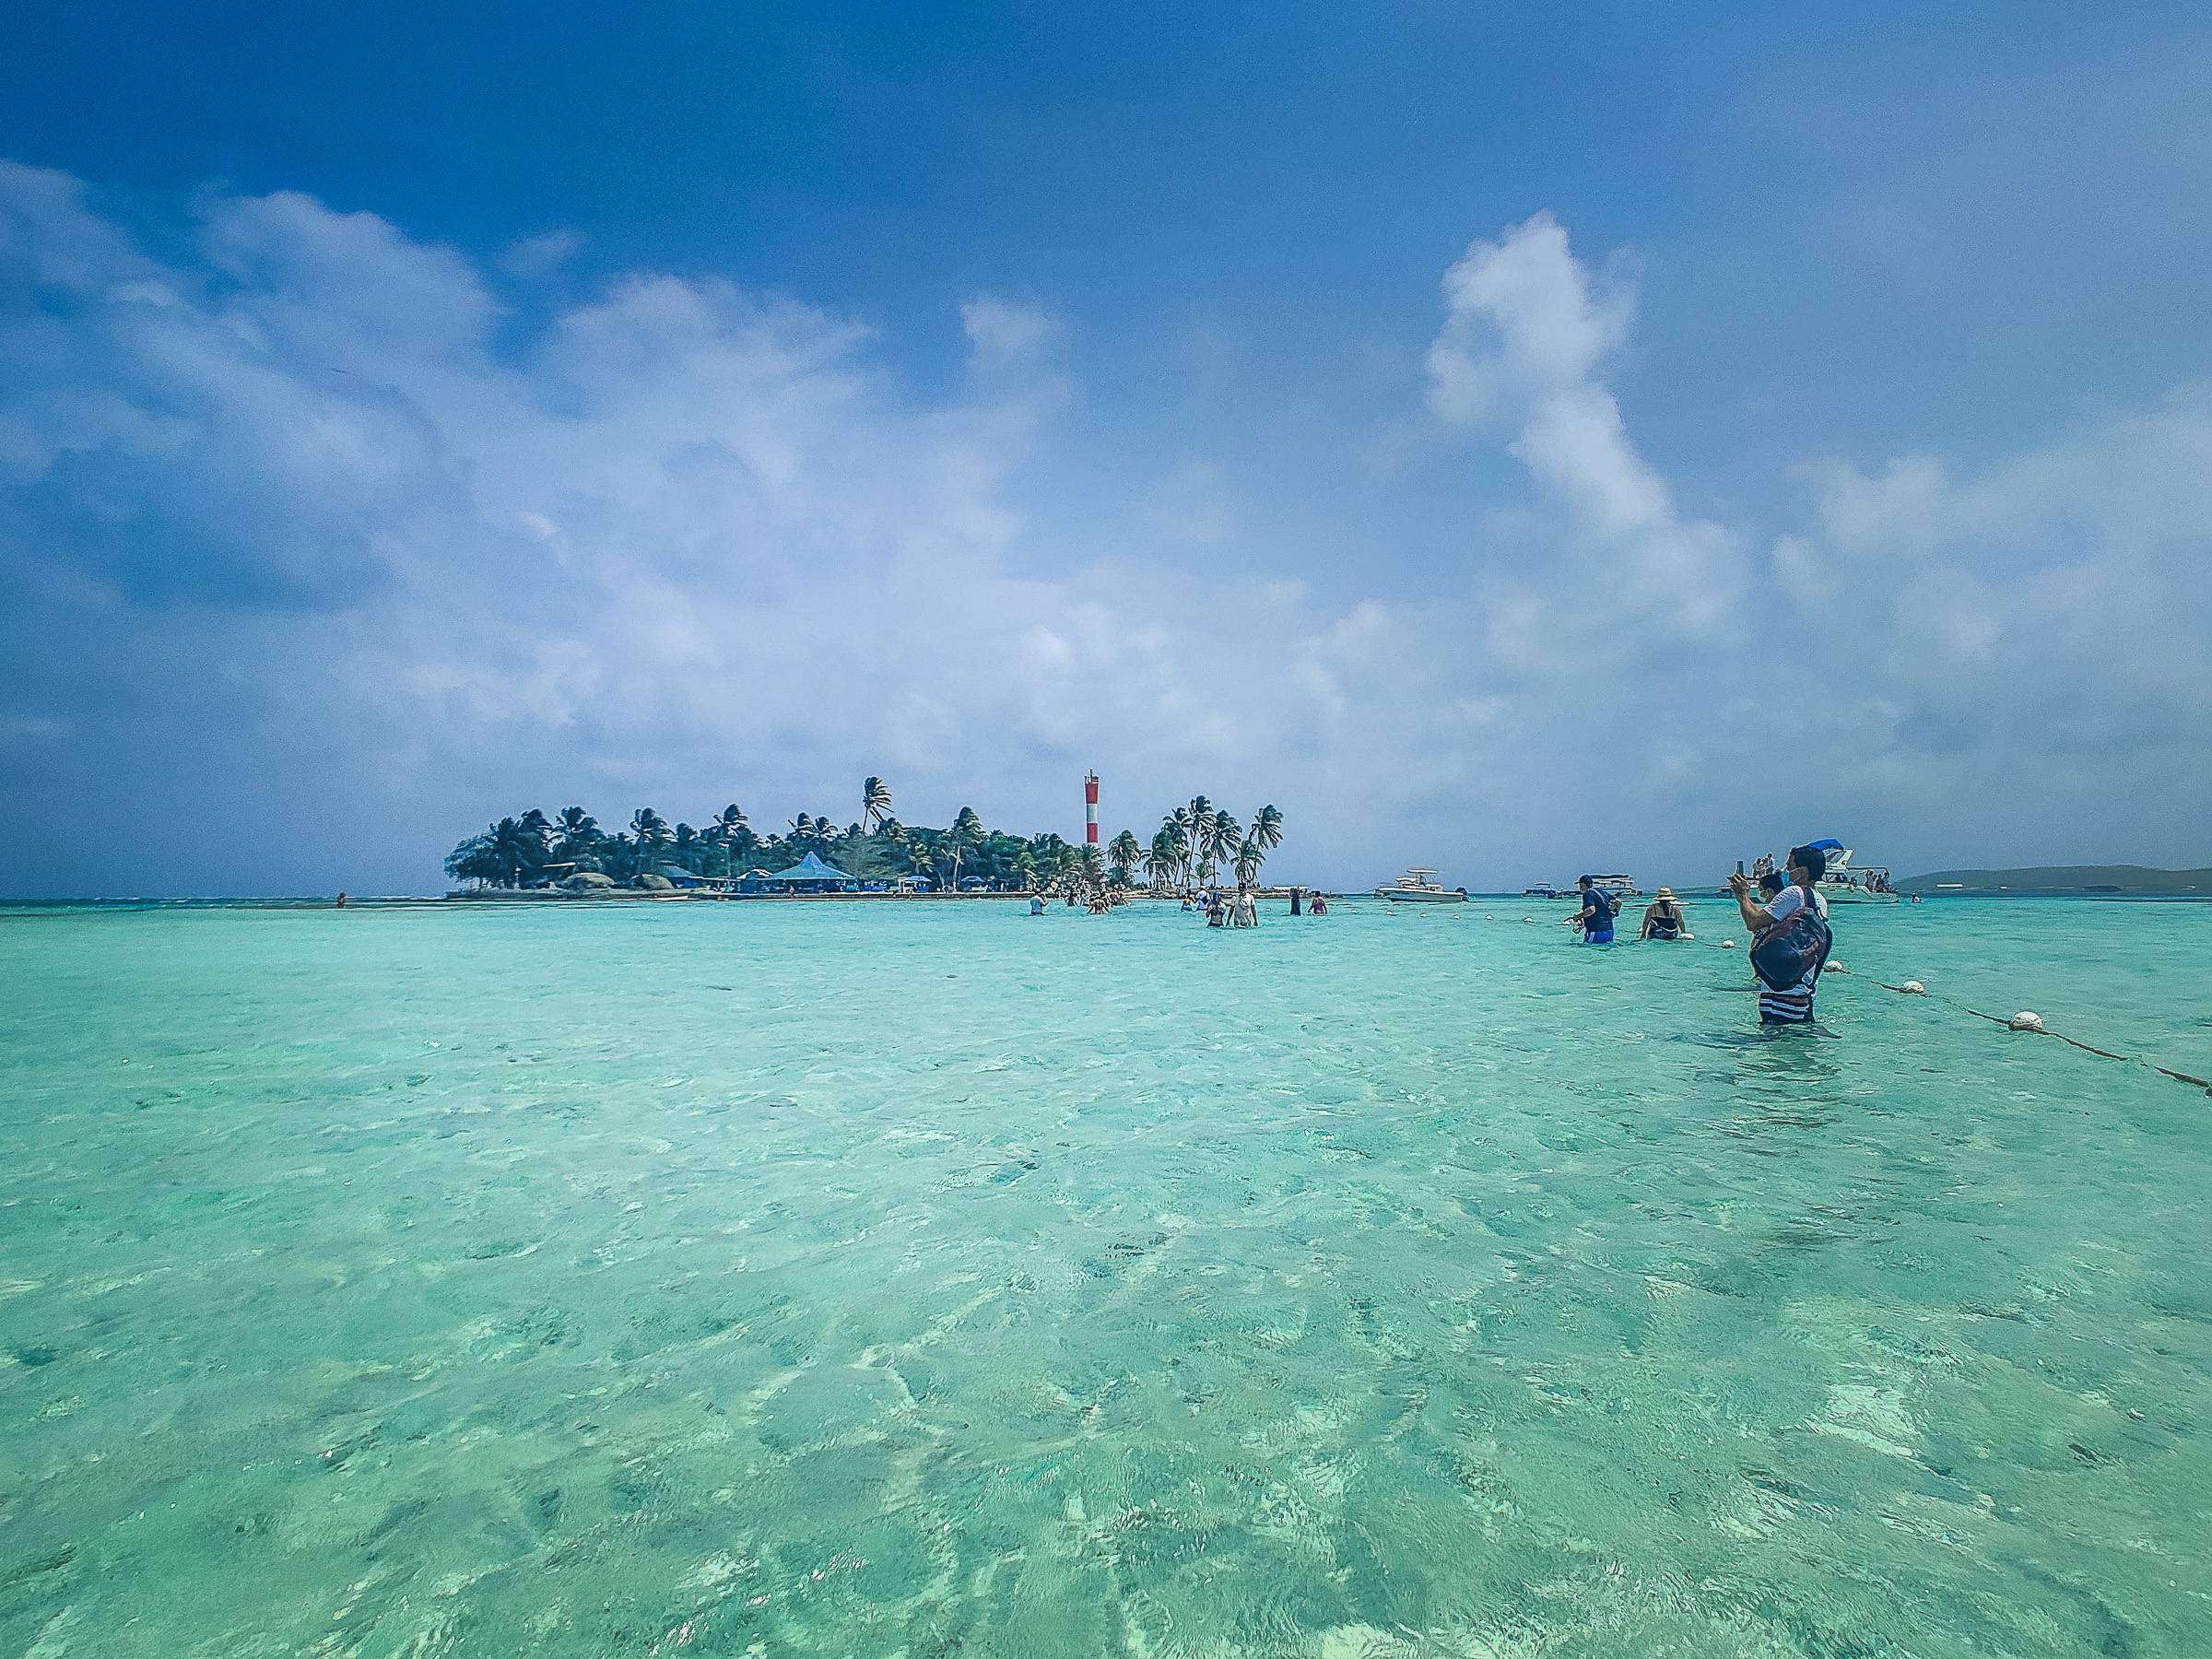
810, 873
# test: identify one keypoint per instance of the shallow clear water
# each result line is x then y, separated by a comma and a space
871, 1279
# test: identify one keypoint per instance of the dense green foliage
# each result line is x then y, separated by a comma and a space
1195, 843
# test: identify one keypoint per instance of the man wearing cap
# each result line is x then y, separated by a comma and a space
1596, 917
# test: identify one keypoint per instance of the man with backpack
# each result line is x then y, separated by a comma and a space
1790, 938
1596, 917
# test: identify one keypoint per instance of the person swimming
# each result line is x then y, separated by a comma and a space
1663, 919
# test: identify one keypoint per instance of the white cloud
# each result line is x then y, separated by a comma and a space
1001, 330
291, 531
1526, 334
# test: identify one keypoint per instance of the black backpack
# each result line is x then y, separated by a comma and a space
1786, 955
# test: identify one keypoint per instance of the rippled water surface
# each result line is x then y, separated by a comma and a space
874, 1278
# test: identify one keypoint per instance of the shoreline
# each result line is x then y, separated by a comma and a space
604, 895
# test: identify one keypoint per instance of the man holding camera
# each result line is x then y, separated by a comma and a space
1790, 1003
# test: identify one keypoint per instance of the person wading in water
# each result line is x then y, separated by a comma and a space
1786, 992
1663, 919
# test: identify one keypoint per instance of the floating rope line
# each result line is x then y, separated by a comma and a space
2032, 1024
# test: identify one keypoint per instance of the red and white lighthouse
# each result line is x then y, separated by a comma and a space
1090, 809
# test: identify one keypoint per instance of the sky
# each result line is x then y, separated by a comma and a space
1507, 441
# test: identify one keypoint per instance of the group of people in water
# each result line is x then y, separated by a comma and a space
1784, 911
1784, 908
1239, 907
1097, 901
1663, 918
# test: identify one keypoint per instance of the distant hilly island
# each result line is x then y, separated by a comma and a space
2063, 879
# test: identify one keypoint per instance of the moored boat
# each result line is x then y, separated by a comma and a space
1844, 885
1417, 886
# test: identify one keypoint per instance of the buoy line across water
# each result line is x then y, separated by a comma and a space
2025, 1020
2031, 1023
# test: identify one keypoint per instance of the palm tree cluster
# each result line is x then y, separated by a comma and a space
532, 850
1197, 841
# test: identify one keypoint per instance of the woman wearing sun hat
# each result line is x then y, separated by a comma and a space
1663, 918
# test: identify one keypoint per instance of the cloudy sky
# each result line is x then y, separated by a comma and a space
1503, 444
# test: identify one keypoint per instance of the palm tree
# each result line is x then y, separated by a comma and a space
731, 835
1223, 840
1201, 828
1091, 867
1251, 855
650, 832
1124, 849
475, 859
963, 838
875, 802
1165, 859
579, 832
1267, 829
515, 851
620, 850
537, 843
688, 848
921, 849
1176, 827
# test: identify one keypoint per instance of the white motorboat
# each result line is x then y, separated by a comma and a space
1843, 885
1418, 887
1621, 888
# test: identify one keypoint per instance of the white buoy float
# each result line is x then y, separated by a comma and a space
2026, 1021
1913, 988
1835, 968
1727, 944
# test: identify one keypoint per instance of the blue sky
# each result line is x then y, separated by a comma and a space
1499, 440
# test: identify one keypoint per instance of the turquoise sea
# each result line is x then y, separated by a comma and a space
916, 1280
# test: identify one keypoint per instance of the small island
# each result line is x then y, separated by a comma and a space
2108, 880
570, 855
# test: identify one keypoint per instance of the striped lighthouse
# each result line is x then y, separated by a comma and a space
1090, 809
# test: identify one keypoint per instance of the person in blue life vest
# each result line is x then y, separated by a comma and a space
1596, 917
1789, 1002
